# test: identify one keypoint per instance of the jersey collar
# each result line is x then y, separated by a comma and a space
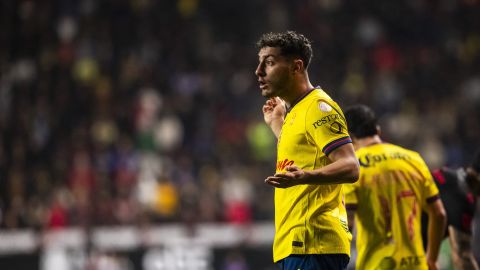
300, 98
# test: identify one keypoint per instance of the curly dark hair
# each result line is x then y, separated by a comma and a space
361, 121
290, 43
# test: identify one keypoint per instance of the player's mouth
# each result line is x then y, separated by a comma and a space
263, 85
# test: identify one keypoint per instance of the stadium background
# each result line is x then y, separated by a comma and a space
124, 117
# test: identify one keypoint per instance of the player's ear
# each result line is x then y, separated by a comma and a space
379, 130
298, 66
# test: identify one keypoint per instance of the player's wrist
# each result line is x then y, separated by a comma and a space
276, 122
305, 177
277, 119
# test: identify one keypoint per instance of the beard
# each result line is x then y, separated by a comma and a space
268, 93
275, 89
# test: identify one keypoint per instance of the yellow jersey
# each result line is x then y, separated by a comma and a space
310, 219
394, 185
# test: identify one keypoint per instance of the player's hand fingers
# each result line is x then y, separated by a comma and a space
281, 175
276, 184
279, 101
270, 104
266, 108
272, 182
292, 168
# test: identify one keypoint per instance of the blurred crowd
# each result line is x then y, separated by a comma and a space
145, 112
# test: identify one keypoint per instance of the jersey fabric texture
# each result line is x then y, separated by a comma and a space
310, 219
394, 185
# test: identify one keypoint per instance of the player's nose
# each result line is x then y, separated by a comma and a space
260, 72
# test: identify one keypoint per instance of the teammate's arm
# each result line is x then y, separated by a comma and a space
461, 244
343, 169
437, 220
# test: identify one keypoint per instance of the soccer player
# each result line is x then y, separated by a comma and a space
314, 157
459, 189
394, 186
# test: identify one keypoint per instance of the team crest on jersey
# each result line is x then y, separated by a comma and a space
324, 107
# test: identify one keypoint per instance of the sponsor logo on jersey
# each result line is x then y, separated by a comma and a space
387, 263
326, 119
410, 261
282, 164
370, 160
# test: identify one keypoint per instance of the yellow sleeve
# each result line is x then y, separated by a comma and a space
430, 190
326, 125
350, 194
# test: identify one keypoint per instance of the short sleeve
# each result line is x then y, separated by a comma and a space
326, 125
430, 189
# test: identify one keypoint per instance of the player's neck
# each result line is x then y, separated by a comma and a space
367, 141
298, 93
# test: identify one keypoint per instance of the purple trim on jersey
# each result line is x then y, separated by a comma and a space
335, 144
433, 198
299, 99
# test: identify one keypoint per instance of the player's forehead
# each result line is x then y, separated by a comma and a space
273, 52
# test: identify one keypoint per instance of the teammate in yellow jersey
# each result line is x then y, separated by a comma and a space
314, 157
387, 200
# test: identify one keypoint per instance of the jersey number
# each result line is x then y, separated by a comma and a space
387, 212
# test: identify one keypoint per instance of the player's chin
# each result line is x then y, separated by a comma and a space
267, 93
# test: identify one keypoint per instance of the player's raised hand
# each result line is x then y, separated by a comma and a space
273, 110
